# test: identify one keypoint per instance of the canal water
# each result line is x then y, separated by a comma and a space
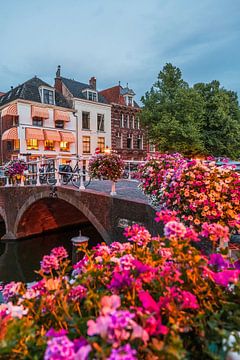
19, 259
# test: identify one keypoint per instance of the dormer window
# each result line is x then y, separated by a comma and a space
91, 95
47, 96
130, 100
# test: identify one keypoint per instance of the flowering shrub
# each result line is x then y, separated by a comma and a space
15, 167
149, 298
198, 191
108, 166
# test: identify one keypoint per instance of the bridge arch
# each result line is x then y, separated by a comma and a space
70, 201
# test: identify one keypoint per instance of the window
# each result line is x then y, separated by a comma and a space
118, 140
15, 121
151, 147
49, 145
137, 124
129, 141
130, 101
91, 95
139, 142
100, 122
122, 120
101, 144
128, 121
86, 120
9, 145
86, 144
37, 121
64, 146
16, 145
48, 96
59, 124
32, 144
133, 120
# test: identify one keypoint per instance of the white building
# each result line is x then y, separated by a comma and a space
36, 121
93, 115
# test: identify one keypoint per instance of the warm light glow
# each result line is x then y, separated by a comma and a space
107, 150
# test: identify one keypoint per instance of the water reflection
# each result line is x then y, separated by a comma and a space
19, 259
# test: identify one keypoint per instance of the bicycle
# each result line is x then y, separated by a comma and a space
69, 174
47, 173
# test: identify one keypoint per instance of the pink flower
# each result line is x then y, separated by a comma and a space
77, 293
225, 277
49, 263
126, 262
215, 232
110, 304
11, 289
60, 253
165, 216
123, 353
138, 234
189, 300
174, 229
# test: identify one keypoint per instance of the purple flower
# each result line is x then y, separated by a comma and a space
120, 280
60, 253
218, 261
224, 277
56, 333
49, 263
59, 348
10, 290
123, 353
82, 349
174, 229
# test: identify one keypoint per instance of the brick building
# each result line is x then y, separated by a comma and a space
127, 136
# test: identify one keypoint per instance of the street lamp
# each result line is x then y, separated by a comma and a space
78, 242
107, 150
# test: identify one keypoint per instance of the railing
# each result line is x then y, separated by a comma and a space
51, 171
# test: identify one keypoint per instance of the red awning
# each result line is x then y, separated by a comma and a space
61, 115
40, 112
10, 110
67, 136
10, 134
52, 135
33, 133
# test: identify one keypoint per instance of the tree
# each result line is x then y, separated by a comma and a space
173, 114
221, 125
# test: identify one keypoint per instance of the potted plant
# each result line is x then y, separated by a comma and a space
106, 166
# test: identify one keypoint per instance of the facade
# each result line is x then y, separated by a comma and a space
127, 136
36, 121
93, 114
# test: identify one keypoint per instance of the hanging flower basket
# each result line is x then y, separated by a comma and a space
14, 169
106, 166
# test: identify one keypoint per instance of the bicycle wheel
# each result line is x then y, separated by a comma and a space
76, 181
66, 178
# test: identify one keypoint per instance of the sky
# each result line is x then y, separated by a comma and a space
120, 40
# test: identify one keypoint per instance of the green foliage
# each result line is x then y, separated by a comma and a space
221, 125
204, 119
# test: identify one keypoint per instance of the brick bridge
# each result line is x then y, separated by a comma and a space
31, 210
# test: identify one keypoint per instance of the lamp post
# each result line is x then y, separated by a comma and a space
78, 242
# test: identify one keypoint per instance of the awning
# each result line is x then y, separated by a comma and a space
33, 133
61, 115
10, 110
10, 134
67, 136
40, 112
52, 135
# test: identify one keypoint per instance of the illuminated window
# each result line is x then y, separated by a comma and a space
64, 146
86, 144
32, 144
101, 144
16, 144
49, 145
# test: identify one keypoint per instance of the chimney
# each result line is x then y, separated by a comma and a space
58, 80
93, 82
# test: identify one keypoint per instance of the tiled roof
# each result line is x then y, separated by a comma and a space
30, 91
76, 89
1, 93
115, 95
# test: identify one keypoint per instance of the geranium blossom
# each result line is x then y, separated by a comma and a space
60, 348
138, 234
123, 353
49, 263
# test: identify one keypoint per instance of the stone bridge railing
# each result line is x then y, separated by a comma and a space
60, 171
